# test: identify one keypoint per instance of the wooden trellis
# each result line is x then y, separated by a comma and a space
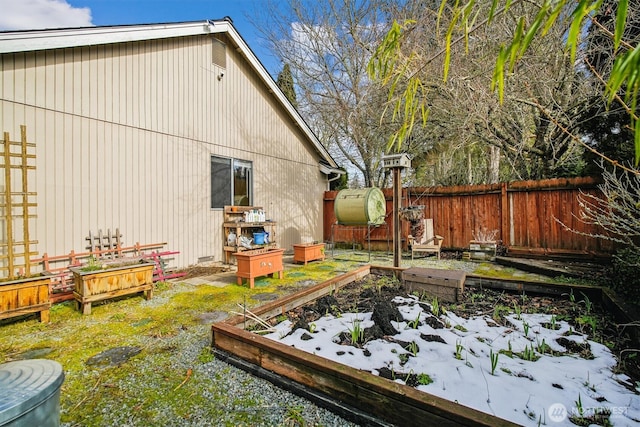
105, 245
16, 206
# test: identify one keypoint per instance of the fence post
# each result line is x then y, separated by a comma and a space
505, 225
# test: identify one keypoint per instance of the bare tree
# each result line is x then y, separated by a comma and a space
617, 210
328, 44
489, 140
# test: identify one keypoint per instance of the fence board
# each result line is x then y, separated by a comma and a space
525, 214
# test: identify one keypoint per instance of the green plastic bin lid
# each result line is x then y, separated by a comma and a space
25, 384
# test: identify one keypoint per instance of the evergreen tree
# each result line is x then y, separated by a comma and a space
285, 83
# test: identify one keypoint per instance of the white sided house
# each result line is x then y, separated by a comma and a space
152, 129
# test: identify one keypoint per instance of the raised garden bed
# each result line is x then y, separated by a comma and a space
259, 262
123, 278
25, 296
308, 252
389, 400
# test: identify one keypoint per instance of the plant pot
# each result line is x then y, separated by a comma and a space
483, 250
259, 262
24, 296
258, 238
308, 252
97, 285
412, 213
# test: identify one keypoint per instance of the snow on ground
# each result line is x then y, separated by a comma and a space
546, 391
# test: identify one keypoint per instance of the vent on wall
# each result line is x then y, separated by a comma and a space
218, 53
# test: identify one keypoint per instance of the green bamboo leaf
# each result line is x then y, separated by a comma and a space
514, 47
624, 67
402, 134
447, 56
467, 9
392, 141
466, 37
577, 20
553, 17
443, 3
498, 72
408, 101
425, 115
409, 131
637, 142
621, 19
533, 29
447, 53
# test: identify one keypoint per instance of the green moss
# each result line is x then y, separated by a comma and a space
161, 327
497, 271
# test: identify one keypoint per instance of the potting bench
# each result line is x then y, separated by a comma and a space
234, 223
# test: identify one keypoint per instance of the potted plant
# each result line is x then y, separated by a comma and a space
23, 295
484, 245
98, 280
308, 252
259, 262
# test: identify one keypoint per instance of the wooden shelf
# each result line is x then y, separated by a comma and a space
234, 223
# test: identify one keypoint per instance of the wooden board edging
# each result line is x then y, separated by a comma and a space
289, 302
323, 400
391, 401
522, 285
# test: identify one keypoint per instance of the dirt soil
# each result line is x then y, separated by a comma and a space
200, 271
375, 293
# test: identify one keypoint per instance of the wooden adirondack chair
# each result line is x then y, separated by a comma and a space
429, 242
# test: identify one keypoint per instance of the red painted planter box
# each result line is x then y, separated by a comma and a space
259, 262
308, 252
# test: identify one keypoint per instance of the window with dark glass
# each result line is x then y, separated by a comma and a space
231, 182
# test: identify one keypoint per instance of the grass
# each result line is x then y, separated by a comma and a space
166, 325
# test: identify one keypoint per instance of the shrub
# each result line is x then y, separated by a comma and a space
623, 276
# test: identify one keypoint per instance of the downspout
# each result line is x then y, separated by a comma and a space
330, 180
328, 170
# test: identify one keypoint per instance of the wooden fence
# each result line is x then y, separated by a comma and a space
527, 216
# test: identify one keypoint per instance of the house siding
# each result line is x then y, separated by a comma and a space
124, 133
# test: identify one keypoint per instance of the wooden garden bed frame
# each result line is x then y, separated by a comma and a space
395, 403
365, 393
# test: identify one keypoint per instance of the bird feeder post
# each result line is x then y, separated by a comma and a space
396, 163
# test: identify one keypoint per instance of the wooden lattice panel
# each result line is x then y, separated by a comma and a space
17, 163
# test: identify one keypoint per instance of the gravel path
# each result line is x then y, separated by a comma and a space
218, 394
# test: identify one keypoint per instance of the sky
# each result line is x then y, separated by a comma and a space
39, 14
547, 390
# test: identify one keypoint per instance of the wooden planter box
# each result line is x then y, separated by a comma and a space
24, 296
97, 285
259, 262
483, 250
308, 252
447, 285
